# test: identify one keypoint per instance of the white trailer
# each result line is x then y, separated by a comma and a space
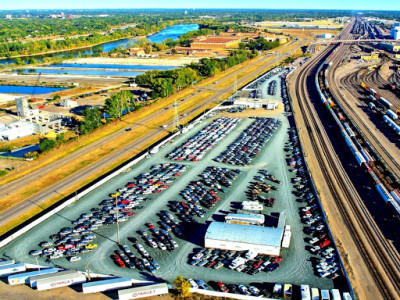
252, 206
24, 277
106, 285
287, 234
11, 269
143, 291
60, 281
55, 277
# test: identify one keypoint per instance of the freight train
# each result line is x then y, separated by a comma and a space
360, 153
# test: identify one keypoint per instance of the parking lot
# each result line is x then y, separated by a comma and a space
295, 268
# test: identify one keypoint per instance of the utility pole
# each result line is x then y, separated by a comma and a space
116, 209
87, 270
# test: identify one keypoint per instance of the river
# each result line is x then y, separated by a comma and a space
170, 32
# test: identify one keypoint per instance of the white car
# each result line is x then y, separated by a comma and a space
255, 291
193, 283
74, 258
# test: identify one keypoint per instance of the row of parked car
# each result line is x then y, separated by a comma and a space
272, 88
246, 147
71, 242
284, 94
124, 257
326, 265
241, 261
198, 145
256, 84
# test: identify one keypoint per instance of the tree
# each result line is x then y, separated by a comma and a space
117, 104
46, 145
142, 42
182, 286
148, 49
91, 121
56, 97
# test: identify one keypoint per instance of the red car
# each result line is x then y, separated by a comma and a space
211, 264
325, 243
151, 226
276, 259
222, 287
258, 264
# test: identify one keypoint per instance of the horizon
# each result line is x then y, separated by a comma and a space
342, 5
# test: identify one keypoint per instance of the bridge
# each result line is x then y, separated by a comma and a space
356, 41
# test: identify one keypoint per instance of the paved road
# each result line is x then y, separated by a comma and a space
58, 187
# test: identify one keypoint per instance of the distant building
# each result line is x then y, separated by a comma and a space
23, 109
257, 103
9, 17
69, 103
204, 42
395, 32
136, 51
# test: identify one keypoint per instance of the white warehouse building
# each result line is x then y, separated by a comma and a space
227, 236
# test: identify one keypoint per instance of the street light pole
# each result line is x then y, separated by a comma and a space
116, 209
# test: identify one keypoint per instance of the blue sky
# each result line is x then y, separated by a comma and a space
317, 4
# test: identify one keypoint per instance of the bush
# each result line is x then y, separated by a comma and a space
3, 172
46, 145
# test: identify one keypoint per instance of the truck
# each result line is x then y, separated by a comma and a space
59, 280
305, 292
287, 234
106, 285
24, 277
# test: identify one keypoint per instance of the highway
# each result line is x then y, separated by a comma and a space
378, 272
58, 187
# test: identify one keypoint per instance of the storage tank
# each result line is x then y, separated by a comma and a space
24, 277
11, 269
106, 285
371, 106
385, 102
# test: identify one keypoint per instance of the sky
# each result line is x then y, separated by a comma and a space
267, 4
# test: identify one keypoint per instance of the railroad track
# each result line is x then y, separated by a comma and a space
361, 224
366, 132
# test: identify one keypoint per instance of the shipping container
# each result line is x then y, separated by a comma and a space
394, 207
24, 277
106, 285
11, 269
372, 98
34, 279
60, 281
366, 155
143, 291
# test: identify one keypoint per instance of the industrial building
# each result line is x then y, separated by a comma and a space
143, 291
395, 32
266, 240
16, 130
257, 103
390, 47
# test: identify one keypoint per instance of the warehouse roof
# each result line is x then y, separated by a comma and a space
245, 234
256, 217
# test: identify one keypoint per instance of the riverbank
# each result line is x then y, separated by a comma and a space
151, 61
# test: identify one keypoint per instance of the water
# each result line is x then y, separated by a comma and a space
108, 66
170, 32
20, 152
84, 72
26, 89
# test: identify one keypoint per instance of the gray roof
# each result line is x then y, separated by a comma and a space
249, 234
257, 217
